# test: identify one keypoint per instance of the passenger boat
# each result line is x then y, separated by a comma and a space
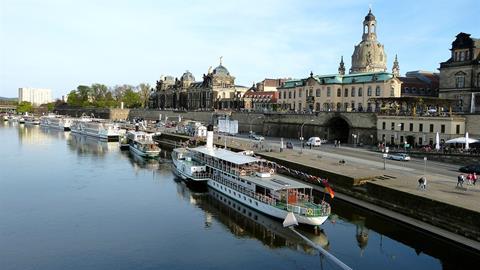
55, 121
21, 120
96, 128
142, 144
249, 180
31, 120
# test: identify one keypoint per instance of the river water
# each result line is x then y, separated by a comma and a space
73, 202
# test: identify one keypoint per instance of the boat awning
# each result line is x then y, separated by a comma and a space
276, 182
232, 157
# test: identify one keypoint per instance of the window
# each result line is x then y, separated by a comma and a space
377, 91
360, 107
458, 129
459, 81
318, 92
462, 56
402, 127
339, 92
442, 129
299, 106
353, 105
393, 125
420, 127
346, 105
329, 92
360, 92
280, 95
383, 125
300, 92
392, 92
346, 92
369, 91
411, 126
353, 92
294, 93
369, 107
289, 94
339, 106
431, 127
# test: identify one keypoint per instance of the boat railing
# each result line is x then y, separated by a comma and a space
316, 210
201, 175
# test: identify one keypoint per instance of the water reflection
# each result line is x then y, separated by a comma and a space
87, 145
244, 222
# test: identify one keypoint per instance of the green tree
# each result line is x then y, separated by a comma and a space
85, 94
98, 95
24, 107
144, 92
73, 99
131, 99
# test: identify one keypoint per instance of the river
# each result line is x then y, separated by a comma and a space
73, 202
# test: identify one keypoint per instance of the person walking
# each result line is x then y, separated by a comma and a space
474, 178
422, 183
460, 180
469, 179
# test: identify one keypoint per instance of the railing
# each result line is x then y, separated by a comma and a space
314, 211
201, 175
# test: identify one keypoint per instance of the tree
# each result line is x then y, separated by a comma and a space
131, 99
85, 93
73, 99
144, 92
24, 107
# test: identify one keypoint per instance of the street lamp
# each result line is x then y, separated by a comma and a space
354, 140
301, 133
385, 158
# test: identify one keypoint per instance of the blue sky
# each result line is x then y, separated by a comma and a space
60, 44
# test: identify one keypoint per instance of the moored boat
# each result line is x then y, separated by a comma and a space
251, 181
55, 121
142, 144
31, 120
99, 128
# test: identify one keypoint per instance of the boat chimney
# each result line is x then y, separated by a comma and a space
210, 136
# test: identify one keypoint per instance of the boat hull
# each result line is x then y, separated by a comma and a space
148, 154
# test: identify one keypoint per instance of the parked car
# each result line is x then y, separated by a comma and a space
256, 137
472, 168
314, 141
399, 156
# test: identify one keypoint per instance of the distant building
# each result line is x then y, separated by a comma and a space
217, 90
36, 96
420, 83
460, 74
368, 79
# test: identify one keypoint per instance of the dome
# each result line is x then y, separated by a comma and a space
370, 16
221, 70
369, 56
187, 76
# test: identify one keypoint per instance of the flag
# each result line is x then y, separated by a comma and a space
330, 191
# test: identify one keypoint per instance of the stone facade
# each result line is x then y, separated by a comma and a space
460, 75
418, 131
217, 90
351, 92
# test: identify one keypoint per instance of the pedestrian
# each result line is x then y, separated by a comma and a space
422, 183
469, 179
338, 144
460, 180
474, 178
335, 143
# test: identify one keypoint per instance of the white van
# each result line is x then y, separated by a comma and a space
314, 141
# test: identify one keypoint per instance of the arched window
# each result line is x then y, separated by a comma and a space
329, 92
378, 91
353, 92
360, 92
369, 91
318, 93
339, 92
346, 92
339, 106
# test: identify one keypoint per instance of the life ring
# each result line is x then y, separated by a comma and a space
243, 173
272, 171
310, 211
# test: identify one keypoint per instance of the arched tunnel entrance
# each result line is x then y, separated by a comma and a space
338, 129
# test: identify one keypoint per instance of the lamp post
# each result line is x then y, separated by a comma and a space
385, 158
354, 140
301, 134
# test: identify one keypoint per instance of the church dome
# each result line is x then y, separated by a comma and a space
188, 76
370, 16
221, 70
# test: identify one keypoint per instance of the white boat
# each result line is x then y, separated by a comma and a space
249, 180
31, 120
55, 121
99, 128
142, 144
21, 120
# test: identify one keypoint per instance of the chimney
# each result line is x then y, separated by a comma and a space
210, 136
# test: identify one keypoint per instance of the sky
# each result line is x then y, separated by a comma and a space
60, 44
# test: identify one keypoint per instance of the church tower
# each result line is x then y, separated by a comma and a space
396, 67
341, 67
369, 55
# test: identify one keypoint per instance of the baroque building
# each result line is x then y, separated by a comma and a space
356, 91
216, 90
460, 74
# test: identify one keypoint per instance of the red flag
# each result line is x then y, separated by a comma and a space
330, 191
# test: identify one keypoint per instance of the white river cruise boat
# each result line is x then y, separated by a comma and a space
249, 180
99, 128
142, 144
31, 120
55, 121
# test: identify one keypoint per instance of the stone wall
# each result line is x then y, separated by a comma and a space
473, 125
